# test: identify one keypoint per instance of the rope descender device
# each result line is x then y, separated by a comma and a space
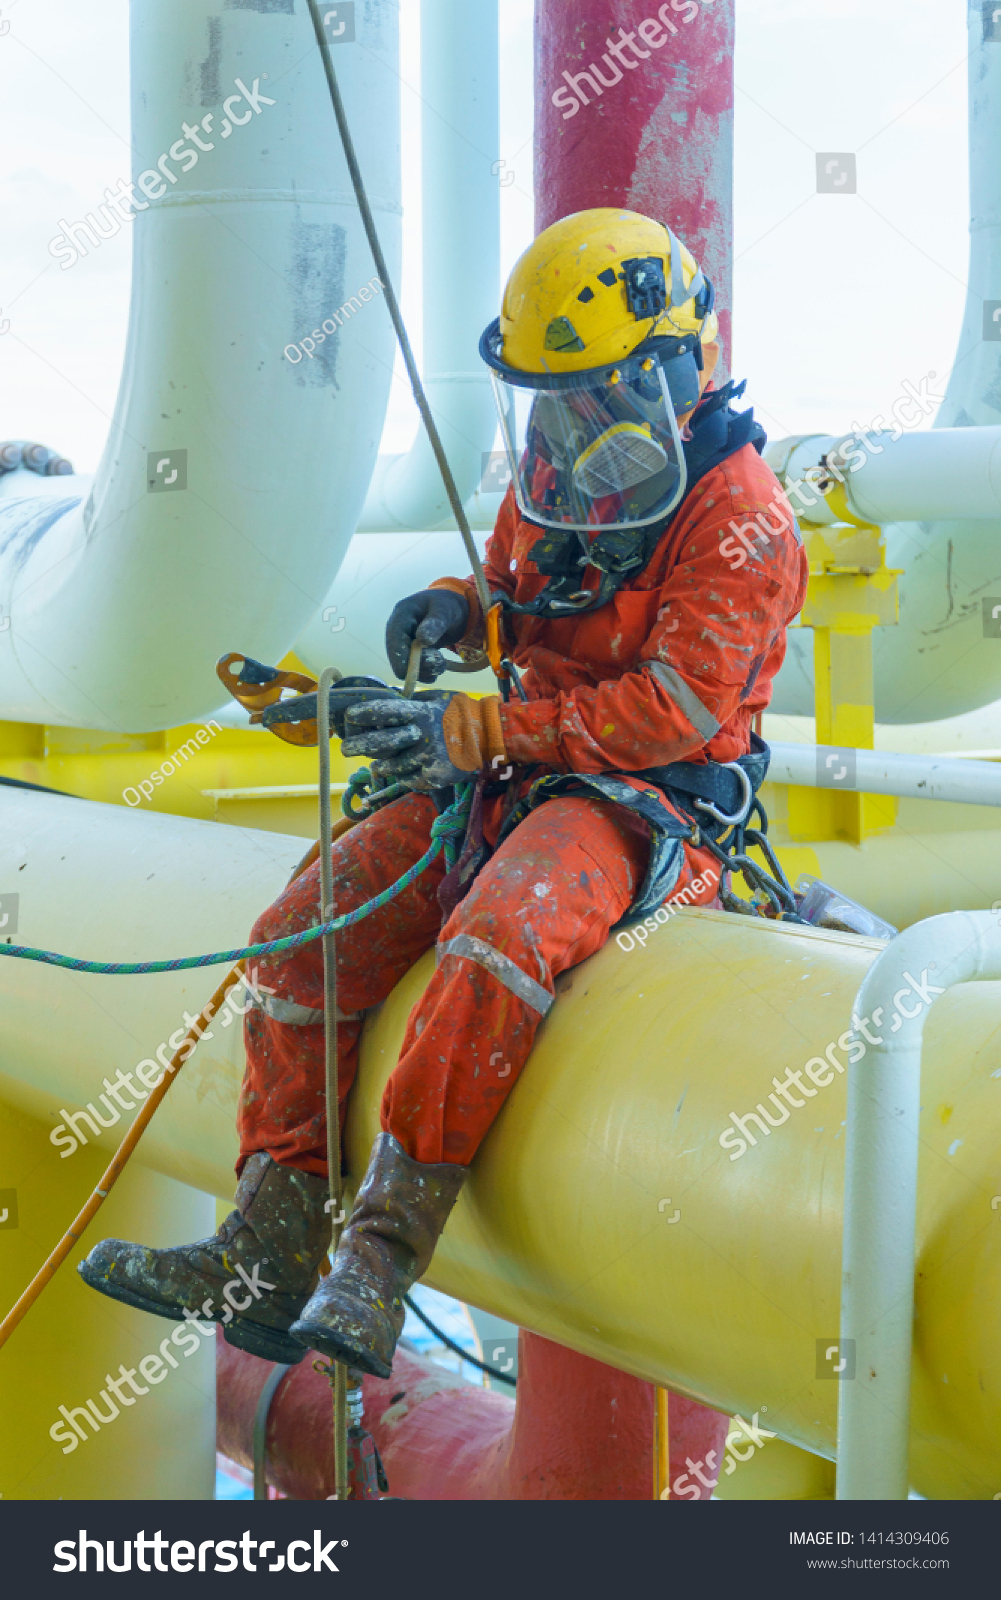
259, 689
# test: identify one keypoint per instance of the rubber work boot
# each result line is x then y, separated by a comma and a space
356, 1314
254, 1275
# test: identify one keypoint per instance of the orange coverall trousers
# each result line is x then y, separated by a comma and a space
543, 902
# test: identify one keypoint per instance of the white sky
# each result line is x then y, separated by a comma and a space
837, 299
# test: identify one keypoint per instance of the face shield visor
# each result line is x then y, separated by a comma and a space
600, 448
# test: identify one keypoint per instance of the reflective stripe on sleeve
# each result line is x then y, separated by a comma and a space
685, 698
502, 967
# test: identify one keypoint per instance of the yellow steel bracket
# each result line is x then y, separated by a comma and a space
851, 590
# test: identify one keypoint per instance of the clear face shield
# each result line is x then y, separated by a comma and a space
600, 448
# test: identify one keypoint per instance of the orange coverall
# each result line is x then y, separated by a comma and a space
674, 667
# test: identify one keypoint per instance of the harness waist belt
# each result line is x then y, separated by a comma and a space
711, 780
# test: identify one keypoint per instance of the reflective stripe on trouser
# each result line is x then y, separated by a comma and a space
296, 1015
544, 902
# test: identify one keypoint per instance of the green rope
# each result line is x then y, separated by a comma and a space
447, 832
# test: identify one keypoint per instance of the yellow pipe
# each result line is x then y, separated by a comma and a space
99, 1194
622, 1104
775, 1470
161, 1445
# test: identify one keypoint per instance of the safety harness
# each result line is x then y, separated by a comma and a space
716, 801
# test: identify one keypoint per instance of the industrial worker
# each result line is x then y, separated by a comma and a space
644, 650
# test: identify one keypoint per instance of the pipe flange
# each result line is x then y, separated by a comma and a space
38, 458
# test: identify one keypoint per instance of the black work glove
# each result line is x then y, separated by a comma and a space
433, 741
432, 616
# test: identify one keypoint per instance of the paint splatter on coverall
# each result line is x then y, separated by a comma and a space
674, 667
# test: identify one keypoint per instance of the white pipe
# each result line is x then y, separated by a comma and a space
913, 777
948, 472
460, 198
881, 1172
461, 250
121, 600
941, 659
973, 393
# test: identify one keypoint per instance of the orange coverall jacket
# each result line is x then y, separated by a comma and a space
677, 664
674, 667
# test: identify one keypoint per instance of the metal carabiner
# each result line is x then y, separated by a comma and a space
745, 806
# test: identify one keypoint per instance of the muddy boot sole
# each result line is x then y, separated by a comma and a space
338, 1347
270, 1344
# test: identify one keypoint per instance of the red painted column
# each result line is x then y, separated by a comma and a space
584, 1431
646, 126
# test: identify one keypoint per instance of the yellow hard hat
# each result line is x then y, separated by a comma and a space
594, 287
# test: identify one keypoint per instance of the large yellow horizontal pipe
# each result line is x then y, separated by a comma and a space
107, 884
566, 1226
